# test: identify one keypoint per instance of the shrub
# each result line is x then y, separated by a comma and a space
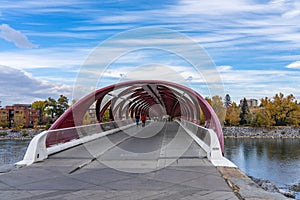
48, 125
3, 134
24, 133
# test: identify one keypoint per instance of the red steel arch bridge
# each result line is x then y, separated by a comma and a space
158, 100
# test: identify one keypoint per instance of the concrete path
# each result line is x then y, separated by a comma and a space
153, 164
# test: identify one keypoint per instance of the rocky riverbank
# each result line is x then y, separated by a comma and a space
24, 134
271, 187
259, 132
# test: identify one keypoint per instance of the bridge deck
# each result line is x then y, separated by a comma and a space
123, 166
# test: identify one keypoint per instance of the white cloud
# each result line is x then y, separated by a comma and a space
259, 83
32, 6
17, 86
294, 65
12, 35
44, 58
216, 7
224, 68
120, 19
291, 9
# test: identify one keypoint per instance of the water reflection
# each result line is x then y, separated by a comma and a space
277, 160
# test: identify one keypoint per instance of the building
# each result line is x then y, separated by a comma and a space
19, 115
250, 102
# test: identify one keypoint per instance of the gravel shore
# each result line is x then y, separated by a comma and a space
259, 132
230, 132
24, 134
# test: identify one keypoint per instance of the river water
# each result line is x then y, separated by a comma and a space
277, 160
12, 151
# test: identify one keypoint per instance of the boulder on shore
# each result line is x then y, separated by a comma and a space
271, 187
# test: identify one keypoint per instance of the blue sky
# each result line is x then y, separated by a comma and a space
255, 45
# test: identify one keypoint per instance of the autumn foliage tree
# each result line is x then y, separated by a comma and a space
232, 117
281, 111
277, 111
217, 104
40, 106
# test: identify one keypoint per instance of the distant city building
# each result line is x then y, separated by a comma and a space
19, 114
250, 102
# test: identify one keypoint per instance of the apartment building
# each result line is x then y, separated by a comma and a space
19, 114
251, 102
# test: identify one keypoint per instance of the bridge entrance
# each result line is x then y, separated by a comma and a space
173, 113
157, 100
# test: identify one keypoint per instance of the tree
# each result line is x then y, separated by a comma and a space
40, 106
62, 105
73, 101
218, 106
244, 112
19, 122
286, 107
261, 118
281, 111
4, 122
267, 112
56, 108
208, 100
51, 107
232, 117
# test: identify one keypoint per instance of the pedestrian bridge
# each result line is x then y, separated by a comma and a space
174, 128
174, 156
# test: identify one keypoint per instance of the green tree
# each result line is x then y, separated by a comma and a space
51, 107
56, 108
244, 112
40, 106
62, 105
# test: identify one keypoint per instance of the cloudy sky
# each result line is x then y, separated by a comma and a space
255, 45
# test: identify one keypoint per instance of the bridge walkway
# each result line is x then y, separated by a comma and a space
159, 161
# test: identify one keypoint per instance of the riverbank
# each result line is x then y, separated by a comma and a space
271, 187
23, 134
228, 132
259, 132
272, 161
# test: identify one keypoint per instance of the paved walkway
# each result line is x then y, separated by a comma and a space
122, 166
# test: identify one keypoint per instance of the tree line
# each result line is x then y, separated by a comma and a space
50, 109
279, 110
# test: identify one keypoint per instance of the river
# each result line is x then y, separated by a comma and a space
277, 160
12, 151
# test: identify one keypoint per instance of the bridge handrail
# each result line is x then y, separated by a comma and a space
38, 150
208, 140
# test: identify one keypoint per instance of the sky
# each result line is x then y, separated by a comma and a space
44, 46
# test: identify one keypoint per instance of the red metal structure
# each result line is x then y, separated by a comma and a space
143, 97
